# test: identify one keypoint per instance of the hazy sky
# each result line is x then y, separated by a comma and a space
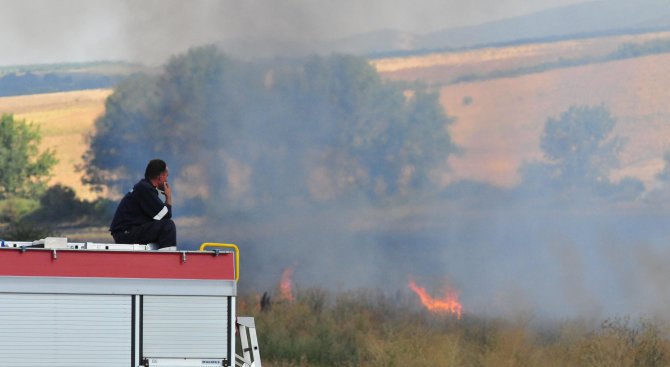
45, 31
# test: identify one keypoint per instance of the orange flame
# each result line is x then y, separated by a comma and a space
286, 285
448, 304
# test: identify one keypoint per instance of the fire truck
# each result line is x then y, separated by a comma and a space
66, 304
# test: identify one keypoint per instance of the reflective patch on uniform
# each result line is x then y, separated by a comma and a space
161, 213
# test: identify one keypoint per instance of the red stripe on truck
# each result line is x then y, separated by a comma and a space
117, 264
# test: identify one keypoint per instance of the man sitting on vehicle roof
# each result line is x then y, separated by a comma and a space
142, 217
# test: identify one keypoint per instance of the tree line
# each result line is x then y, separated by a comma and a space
15, 84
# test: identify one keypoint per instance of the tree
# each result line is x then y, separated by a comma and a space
175, 115
23, 170
366, 135
578, 144
259, 134
580, 154
121, 133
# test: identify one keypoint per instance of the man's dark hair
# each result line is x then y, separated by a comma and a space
155, 168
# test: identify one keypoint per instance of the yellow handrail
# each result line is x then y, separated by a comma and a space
226, 245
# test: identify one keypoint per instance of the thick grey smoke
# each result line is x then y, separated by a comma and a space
149, 31
585, 251
256, 151
555, 254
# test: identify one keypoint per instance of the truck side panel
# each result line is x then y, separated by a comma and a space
185, 327
65, 330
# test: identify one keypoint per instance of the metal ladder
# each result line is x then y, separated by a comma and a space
249, 343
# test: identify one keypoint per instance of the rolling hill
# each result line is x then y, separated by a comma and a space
499, 120
64, 120
581, 20
584, 19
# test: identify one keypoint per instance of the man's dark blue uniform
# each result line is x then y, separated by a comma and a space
142, 217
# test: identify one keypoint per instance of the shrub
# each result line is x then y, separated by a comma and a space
14, 209
59, 204
25, 230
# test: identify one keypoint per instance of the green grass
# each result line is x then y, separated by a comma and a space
367, 328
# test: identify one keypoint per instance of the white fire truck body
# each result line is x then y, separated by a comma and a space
106, 305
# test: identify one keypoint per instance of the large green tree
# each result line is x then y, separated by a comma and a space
178, 115
23, 169
580, 153
320, 129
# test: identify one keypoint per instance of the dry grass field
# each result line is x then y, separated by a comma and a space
442, 67
501, 128
499, 121
64, 120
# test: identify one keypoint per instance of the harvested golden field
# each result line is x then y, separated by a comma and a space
499, 121
64, 120
443, 67
501, 127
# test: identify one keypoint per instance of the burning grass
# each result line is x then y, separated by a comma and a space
368, 328
448, 304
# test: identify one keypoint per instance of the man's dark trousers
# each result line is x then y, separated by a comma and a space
161, 232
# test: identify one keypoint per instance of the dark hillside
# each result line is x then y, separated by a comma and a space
52, 78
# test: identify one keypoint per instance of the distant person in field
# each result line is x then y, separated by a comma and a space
142, 217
